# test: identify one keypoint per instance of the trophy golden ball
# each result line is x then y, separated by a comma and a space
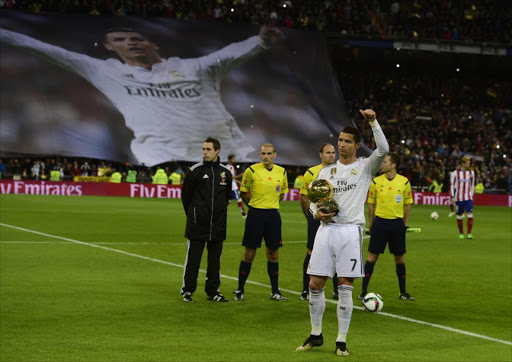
320, 190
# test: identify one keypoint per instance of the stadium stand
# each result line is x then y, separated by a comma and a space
456, 20
430, 118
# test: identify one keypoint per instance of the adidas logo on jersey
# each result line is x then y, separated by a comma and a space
206, 176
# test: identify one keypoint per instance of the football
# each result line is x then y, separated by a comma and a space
373, 302
434, 216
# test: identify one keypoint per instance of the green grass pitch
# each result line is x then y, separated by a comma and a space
98, 279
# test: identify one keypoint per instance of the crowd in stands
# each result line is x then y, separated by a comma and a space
454, 20
430, 120
57, 168
433, 122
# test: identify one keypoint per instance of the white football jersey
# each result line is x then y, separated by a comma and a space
352, 182
171, 108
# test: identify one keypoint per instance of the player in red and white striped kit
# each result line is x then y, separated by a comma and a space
235, 192
462, 188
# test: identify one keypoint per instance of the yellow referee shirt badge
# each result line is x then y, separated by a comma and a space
353, 172
398, 198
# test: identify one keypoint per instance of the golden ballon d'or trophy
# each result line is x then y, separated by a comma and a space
320, 192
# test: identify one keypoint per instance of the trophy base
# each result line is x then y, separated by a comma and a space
329, 206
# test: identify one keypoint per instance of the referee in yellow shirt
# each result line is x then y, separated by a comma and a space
328, 156
263, 187
389, 206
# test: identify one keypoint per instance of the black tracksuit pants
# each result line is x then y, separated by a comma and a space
193, 261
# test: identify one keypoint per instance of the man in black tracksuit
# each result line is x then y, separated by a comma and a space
205, 195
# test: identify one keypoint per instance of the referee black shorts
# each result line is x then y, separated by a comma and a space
262, 223
387, 230
313, 225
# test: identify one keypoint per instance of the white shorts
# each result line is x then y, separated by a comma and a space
337, 249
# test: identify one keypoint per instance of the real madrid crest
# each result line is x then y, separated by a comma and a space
177, 73
333, 171
353, 172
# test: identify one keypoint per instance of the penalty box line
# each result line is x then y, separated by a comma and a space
439, 326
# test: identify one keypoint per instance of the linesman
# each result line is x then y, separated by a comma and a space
328, 156
389, 206
263, 187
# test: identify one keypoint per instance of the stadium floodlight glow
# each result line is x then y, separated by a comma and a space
470, 117
398, 65
252, 105
504, 156
457, 70
403, 141
232, 10
95, 44
284, 5
497, 146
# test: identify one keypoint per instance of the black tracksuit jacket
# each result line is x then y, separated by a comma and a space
205, 195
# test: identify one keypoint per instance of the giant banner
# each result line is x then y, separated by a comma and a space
173, 192
150, 91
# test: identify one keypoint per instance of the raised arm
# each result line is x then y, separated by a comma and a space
379, 154
78, 63
223, 60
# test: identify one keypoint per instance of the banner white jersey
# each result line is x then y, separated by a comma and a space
171, 108
352, 182
462, 185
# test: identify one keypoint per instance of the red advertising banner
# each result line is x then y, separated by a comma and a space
172, 192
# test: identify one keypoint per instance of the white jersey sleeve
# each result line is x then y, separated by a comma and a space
379, 154
80, 64
222, 61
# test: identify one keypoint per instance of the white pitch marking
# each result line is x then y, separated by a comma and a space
450, 329
184, 243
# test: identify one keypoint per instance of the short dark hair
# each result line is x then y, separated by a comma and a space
125, 30
231, 156
214, 141
395, 158
323, 146
354, 132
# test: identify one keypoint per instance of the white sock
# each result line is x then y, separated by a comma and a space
344, 311
316, 310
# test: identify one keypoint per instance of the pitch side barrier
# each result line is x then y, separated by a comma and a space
29, 187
